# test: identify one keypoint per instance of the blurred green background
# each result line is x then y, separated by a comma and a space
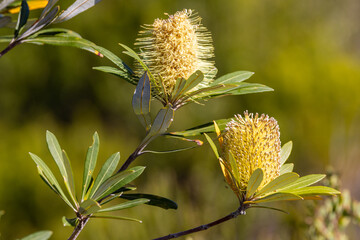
308, 51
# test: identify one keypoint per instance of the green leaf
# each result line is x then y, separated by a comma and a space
50, 179
304, 181
278, 197
117, 181
235, 77
313, 190
90, 163
195, 78
278, 183
48, 7
69, 222
5, 3
116, 218
154, 200
41, 235
254, 183
204, 128
179, 85
76, 8
69, 183
89, 206
285, 152
116, 72
212, 145
286, 168
128, 204
23, 17
105, 172
141, 101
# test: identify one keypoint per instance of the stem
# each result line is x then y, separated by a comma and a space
8, 48
79, 228
239, 211
131, 158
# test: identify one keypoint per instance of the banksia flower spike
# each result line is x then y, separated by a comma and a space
175, 48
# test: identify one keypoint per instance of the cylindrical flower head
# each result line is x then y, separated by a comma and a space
254, 142
175, 48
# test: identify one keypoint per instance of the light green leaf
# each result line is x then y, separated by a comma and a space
235, 77
212, 145
76, 8
105, 172
69, 183
255, 181
141, 101
313, 190
278, 183
89, 206
41, 235
304, 181
49, 177
116, 218
278, 197
285, 152
117, 181
90, 163
128, 204
154, 200
287, 167
234, 169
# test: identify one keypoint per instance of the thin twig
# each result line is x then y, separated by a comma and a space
79, 227
8, 48
239, 211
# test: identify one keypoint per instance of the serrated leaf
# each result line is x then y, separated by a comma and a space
254, 183
203, 128
76, 8
116, 218
313, 190
50, 178
141, 101
154, 200
89, 206
285, 152
90, 163
128, 204
118, 181
304, 181
41, 235
235, 77
23, 17
105, 172
287, 167
212, 145
278, 197
278, 183
72, 222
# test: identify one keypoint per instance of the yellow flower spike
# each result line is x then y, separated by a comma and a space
175, 48
249, 143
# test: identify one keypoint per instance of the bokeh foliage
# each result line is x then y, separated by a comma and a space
308, 51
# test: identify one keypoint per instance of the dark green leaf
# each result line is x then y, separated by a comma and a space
285, 152
23, 17
72, 222
235, 77
76, 8
41, 235
90, 163
154, 200
141, 101
254, 183
116, 72
128, 204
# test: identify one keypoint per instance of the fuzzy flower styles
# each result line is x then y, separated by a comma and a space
175, 48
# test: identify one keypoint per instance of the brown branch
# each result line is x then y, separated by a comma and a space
239, 211
8, 48
79, 227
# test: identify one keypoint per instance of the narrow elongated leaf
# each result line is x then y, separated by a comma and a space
23, 17
154, 200
278, 197
287, 167
285, 152
5, 3
193, 81
278, 183
41, 235
254, 182
76, 8
141, 101
313, 190
48, 7
116, 72
212, 145
128, 204
179, 85
46, 173
118, 181
89, 206
204, 128
90, 163
69, 181
304, 182
105, 172
235, 77
116, 218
